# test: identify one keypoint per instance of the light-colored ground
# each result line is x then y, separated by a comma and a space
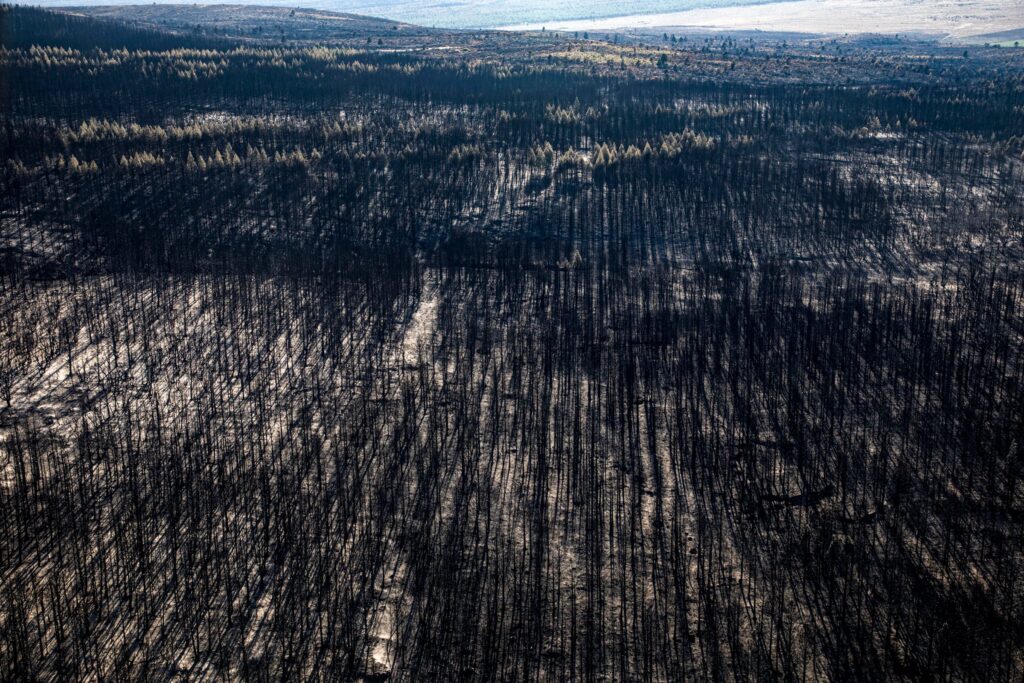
954, 19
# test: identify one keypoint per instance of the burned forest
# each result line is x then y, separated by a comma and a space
336, 349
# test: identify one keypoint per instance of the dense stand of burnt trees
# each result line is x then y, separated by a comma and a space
326, 365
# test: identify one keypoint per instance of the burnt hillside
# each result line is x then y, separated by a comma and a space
508, 357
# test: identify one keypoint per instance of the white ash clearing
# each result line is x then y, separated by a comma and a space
947, 18
421, 327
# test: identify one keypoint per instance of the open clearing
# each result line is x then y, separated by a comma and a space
946, 18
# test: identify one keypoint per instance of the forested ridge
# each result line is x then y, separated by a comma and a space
483, 356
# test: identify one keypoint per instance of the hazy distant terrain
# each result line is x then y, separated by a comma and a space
255, 23
479, 13
959, 19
